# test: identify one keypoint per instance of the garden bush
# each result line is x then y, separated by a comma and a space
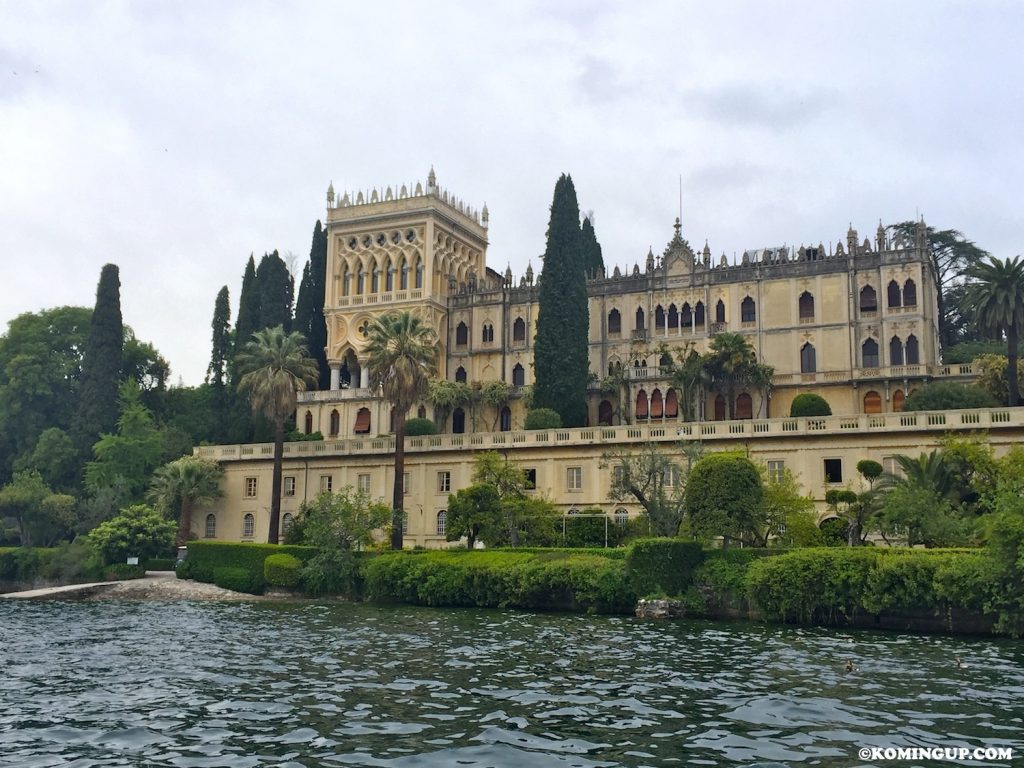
205, 556
810, 404
663, 566
159, 564
948, 395
542, 418
416, 427
282, 570
237, 579
123, 572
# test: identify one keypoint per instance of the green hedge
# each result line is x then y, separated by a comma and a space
205, 556
514, 579
238, 579
123, 572
67, 563
282, 570
159, 564
663, 566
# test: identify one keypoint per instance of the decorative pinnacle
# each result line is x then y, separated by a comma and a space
330, 193
678, 226
431, 178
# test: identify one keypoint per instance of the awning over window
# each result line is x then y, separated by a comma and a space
641, 405
363, 422
656, 409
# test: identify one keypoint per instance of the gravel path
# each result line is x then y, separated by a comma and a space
163, 585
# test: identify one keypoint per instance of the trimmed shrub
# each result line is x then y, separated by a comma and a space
123, 572
809, 404
159, 564
663, 566
282, 570
237, 580
542, 418
948, 395
205, 556
418, 426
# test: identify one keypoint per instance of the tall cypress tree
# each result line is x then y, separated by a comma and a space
101, 364
309, 306
276, 288
248, 306
216, 374
560, 347
593, 261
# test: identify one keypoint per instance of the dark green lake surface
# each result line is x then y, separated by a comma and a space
282, 684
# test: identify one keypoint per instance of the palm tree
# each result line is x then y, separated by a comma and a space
185, 483
995, 300
275, 369
730, 363
401, 355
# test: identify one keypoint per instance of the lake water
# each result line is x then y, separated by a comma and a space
290, 684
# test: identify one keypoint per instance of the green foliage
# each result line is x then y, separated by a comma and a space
991, 371
968, 351
238, 580
309, 306
542, 418
556, 581
136, 531
1006, 544
282, 570
220, 355
994, 299
276, 288
731, 364
724, 497
178, 487
473, 512
417, 427
948, 395
654, 480
159, 564
593, 261
663, 566
346, 519
123, 572
248, 321
54, 458
835, 532
446, 396
101, 364
132, 453
583, 532
205, 556
43, 516
870, 470
809, 404
560, 348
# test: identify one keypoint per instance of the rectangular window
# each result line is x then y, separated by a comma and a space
363, 483
574, 478
405, 483
326, 483
444, 482
776, 471
250, 487
671, 477
891, 467
531, 479
618, 474
288, 486
833, 470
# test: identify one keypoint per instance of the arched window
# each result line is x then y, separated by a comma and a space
621, 516
808, 358
698, 314
719, 408
673, 316
869, 354
421, 412
604, 413
362, 422
519, 330
211, 527
639, 318
893, 294
346, 281
518, 376
488, 333
287, 521
335, 423
748, 312
419, 274
659, 318
671, 404
442, 519
872, 402
641, 404
895, 351
913, 355
744, 407
614, 322
909, 294
665, 361
461, 335
460, 374
806, 306
389, 280
898, 399
308, 422
248, 525
868, 299
657, 404
720, 311
506, 419
403, 275
686, 317
458, 421
361, 281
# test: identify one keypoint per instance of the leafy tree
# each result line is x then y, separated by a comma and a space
968, 351
693, 377
508, 479
724, 497
560, 348
991, 373
921, 516
101, 363
472, 513
132, 452
275, 368
42, 516
616, 384
654, 480
948, 395
180, 486
446, 396
995, 301
136, 531
870, 470
856, 510
789, 515
496, 395
809, 404
100, 505
521, 520
593, 261
971, 460
248, 321
276, 288
542, 418
401, 355
54, 458
951, 255
145, 366
309, 306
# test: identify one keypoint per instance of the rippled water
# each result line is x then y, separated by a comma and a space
254, 684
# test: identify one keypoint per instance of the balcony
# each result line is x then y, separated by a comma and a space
641, 334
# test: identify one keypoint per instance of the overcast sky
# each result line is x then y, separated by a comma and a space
176, 138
